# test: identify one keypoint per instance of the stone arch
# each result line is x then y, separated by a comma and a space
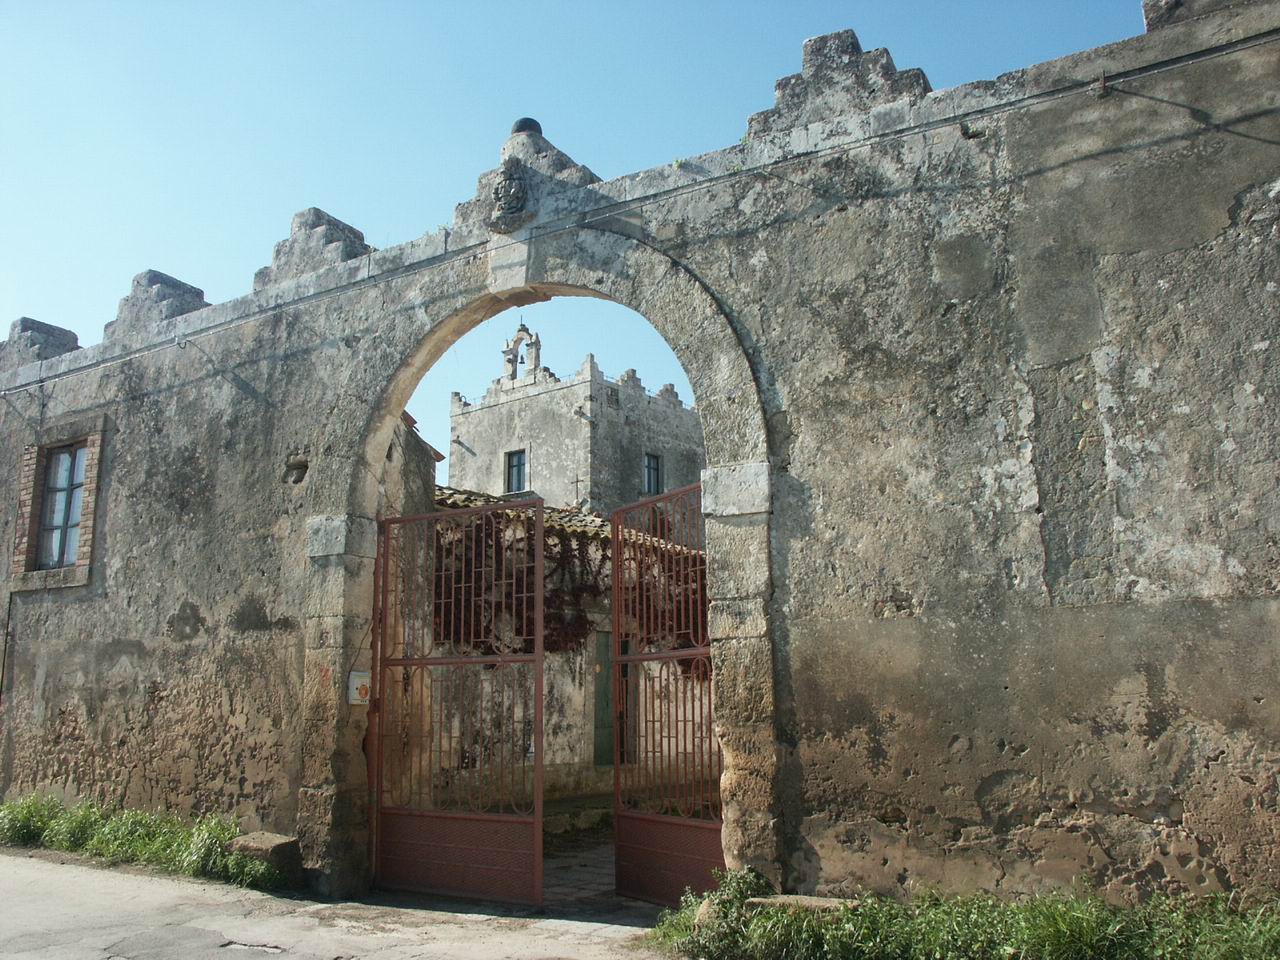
609, 266
578, 262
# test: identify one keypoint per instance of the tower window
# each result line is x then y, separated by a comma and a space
652, 473
61, 505
57, 495
515, 471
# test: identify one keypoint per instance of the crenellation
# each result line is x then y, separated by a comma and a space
154, 299
669, 393
823, 55
1162, 13
316, 240
31, 341
838, 78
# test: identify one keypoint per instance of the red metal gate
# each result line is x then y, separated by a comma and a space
667, 759
457, 710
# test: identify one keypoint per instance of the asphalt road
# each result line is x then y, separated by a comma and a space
54, 910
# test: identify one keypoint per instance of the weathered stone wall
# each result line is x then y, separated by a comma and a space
174, 677
984, 378
409, 479
1047, 627
537, 413
629, 422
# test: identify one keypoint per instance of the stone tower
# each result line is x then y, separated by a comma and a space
587, 441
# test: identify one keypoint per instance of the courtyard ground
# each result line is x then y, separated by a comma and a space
57, 907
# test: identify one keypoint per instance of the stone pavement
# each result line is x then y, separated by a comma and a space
584, 875
75, 910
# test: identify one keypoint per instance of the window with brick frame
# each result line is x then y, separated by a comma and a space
61, 506
57, 501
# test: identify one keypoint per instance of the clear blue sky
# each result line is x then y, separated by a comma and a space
182, 136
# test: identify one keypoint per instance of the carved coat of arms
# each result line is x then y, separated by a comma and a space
511, 209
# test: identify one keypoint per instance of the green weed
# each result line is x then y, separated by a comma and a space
206, 854
136, 836
23, 822
73, 828
247, 872
1051, 927
722, 934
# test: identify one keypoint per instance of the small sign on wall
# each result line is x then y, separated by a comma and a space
358, 686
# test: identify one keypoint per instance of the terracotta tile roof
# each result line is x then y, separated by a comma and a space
566, 519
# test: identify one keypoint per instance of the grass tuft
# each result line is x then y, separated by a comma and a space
72, 829
721, 933
206, 853
23, 822
136, 836
1051, 927
246, 871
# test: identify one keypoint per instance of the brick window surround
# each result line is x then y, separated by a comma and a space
31, 488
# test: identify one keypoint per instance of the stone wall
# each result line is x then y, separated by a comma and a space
538, 414
983, 376
628, 423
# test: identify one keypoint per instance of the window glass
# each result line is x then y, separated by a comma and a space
60, 469
652, 473
71, 546
55, 504
77, 498
50, 548
77, 473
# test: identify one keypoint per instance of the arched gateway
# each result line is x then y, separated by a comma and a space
550, 254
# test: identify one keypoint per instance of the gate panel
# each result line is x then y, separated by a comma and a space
458, 703
667, 759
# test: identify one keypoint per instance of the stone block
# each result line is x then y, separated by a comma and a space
737, 618
750, 839
275, 849
829, 53
323, 685
738, 557
339, 583
963, 267
736, 490
331, 536
744, 681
